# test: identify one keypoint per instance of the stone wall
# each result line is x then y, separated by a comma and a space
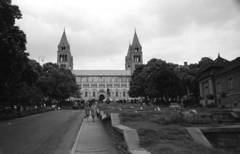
125, 139
228, 141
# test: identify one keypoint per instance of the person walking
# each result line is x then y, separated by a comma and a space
87, 110
93, 110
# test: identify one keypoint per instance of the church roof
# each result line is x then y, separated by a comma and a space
101, 72
136, 40
63, 40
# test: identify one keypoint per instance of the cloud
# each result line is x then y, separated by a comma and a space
99, 31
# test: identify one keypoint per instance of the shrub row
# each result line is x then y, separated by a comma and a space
178, 118
172, 117
24, 114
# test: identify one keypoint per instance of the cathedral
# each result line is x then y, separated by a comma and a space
102, 84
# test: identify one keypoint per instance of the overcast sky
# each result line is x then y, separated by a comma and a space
99, 31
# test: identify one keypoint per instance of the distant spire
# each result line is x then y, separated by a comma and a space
64, 38
136, 40
218, 55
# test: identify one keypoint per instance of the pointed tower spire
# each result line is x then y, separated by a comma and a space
63, 40
64, 57
136, 40
218, 55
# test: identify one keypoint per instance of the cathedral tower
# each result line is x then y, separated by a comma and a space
64, 57
134, 55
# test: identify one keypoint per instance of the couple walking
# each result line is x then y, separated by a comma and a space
90, 107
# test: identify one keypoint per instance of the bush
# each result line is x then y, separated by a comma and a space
129, 116
177, 118
23, 114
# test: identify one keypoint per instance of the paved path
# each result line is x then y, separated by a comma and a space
47, 133
93, 139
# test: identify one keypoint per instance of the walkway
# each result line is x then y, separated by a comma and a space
93, 139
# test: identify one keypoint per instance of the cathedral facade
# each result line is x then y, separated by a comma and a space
102, 84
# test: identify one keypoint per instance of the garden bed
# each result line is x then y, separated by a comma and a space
164, 131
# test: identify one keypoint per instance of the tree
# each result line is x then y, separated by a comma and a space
162, 81
137, 85
31, 73
56, 83
155, 80
29, 95
12, 46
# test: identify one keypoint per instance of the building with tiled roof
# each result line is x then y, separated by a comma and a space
221, 79
102, 84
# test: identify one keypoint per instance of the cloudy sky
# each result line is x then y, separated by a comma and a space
99, 31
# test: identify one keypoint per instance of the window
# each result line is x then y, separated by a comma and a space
94, 85
218, 85
95, 79
94, 94
117, 80
65, 57
116, 93
108, 79
136, 49
124, 94
86, 94
84, 79
124, 79
230, 83
90, 79
206, 90
63, 48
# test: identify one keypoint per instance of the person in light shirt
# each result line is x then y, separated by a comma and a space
93, 110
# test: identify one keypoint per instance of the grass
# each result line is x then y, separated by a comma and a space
157, 136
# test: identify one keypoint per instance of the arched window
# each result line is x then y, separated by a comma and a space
124, 94
94, 94
136, 49
65, 57
116, 93
86, 94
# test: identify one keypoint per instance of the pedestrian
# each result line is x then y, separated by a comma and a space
87, 110
93, 110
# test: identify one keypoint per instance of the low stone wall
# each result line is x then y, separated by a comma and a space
226, 138
125, 139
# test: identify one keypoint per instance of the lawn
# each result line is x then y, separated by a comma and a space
163, 131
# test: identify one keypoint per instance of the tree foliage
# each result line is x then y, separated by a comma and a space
58, 83
159, 79
13, 59
24, 81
